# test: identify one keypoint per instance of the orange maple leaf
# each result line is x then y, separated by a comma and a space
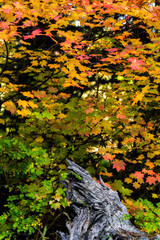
150, 164
10, 106
108, 156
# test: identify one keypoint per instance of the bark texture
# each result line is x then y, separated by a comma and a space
96, 212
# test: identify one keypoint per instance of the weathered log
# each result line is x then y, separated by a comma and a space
96, 211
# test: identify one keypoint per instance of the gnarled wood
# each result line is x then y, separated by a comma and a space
96, 212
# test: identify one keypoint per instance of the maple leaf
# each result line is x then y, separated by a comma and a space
128, 180
7, 9
82, 57
112, 49
10, 106
39, 94
154, 195
119, 115
150, 164
39, 139
108, 156
101, 107
28, 94
4, 25
18, 14
24, 112
119, 165
136, 63
23, 103
32, 104
136, 185
62, 116
36, 32
150, 172
151, 180
140, 95
28, 23
139, 175
158, 177
48, 115
86, 2
106, 124
89, 110
64, 95
33, 34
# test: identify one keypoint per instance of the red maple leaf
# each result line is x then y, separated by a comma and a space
151, 180
33, 34
112, 49
139, 175
136, 64
119, 115
82, 57
119, 165
37, 32
18, 14
101, 107
158, 177
89, 110
86, 2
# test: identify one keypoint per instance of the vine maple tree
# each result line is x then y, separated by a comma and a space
78, 80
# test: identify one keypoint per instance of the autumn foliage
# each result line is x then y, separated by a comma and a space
79, 80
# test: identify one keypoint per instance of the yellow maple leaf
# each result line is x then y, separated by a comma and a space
57, 197
102, 150
116, 151
106, 124
136, 185
62, 116
140, 95
35, 63
128, 180
24, 112
140, 157
140, 181
54, 66
32, 104
23, 103
2, 121
154, 195
149, 137
28, 94
43, 63
157, 162
150, 155
39, 139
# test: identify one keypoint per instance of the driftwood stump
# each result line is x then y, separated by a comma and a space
96, 212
